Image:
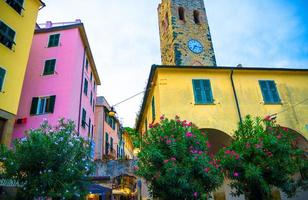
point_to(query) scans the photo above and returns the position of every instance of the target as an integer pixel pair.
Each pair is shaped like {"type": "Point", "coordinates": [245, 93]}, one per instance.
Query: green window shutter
{"type": "Point", "coordinates": [91, 97]}
{"type": "Point", "coordinates": [85, 89]}
{"type": "Point", "coordinates": [207, 91]}
{"type": "Point", "coordinates": [197, 91]}
{"type": "Point", "coordinates": [54, 40]}
{"type": "Point", "coordinates": [7, 35]}
{"type": "Point", "coordinates": [89, 127]}
{"type": "Point", "coordinates": [2, 75]}
{"type": "Point", "coordinates": [273, 92]}
{"type": "Point", "coordinates": [34, 105]}
{"type": "Point", "coordinates": [51, 105]}
{"type": "Point", "coordinates": [87, 64]}
{"type": "Point", "coordinates": [265, 91]}
{"type": "Point", "coordinates": [83, 118]}
{"type": "Point", "coordinates": [153, 109]}
{"type": "Point", "coordinates": [49, 67]}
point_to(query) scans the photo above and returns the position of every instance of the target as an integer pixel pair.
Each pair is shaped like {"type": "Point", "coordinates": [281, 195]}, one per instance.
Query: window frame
{"type": "Point", "coordinates": [45, 107]}
{"type": "Point", "coordinates": [16, 2]}
{"type": "Point", "coordinates": [84, 118]}
{"type": "Point", "coordinates": [54, 67]}
{"type": "Point", "coordinates": [53, 34]}
{"type": "Point", "coordinates": [270, 92]}
{"type": "Point", "coordinates": [3, 80]}
{"type": "Point", "coordinates": [10, 41]}
{"type": "Point", "coordinates": [85, 89]}
{"type": "Point", "coordinates": [203, 93]}
{"type": "Point", "coordinates": [196, 15]}
{"type": "Point", "coordinates": [153, 109]}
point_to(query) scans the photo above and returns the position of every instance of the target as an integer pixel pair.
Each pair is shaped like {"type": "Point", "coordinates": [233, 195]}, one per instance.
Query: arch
{"type": "Point", "coordinates": [217, 138]}
{"type": "Point", "coordinates": [181, 14]}
{"type": "Point", "coordinates": [196, 17]}
{"type": "Point", "coordinates": [301, 141]}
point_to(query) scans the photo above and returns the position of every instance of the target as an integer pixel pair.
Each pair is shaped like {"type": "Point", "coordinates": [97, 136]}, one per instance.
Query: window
{"type": "Point", "coordinates": [196, 17]}
{"type": "Point", "coordinates": [269, 92]}
{"type": "Point", "coordinates": [89, 127]}
{"type": "Point", "coordinates": [94, 86]}
{"type": "Point", "coordinates": [92, 131]}
{"type": "Point", "coordinates": [91, 97]}
{"type": "Point", "coordinates": [2, 75]}
{"type": "Point", "coordinates": [54, 40]}
{"type": "Point", "coordinates": [85, 88]}
{"type": "Point", "coordinates": [106, 144]}
{"type": "Point", "coordinates": [153, 109]}
{"type": "Point", "coordinates": [91, 77]}
{"type": "Point", "coordinates": [203, 92]}
{"type": "Point", "coordinates": [7, 35]}
{"type": "Point", "coordinates": [181, 13]}
{"type": "Point", "coordinates": [87, 64]}
{"type": "Point", "coordinates": [16, 5]}
{"type": "Point", "coordinates": [83, 118]}
{"type": "Point", "coordinates": [42, 105]}
{"type": "Point", "coordinates": [49, 67]}
{"type": "Point", "coordinates": [93, 105]}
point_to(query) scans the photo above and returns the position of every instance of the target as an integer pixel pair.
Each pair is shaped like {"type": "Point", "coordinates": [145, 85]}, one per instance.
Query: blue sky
{"type": "Point", "coordinates": [124, 38]}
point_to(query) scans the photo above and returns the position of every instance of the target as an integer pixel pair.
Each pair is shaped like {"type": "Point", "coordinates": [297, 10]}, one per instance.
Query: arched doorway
{"type": "Point", "coordinates": [217, 138]}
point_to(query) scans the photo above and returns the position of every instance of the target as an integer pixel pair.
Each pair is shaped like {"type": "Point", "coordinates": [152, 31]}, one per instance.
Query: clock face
{"type": "Point", "coordinates": [195, 46]}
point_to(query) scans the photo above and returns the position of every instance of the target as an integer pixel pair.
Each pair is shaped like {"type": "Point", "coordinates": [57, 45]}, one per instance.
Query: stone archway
{"type": "Point", "coordinates": [217, 138]}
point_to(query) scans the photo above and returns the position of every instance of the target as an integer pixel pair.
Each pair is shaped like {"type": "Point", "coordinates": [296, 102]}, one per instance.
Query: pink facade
{"type": "Point", "coordinates": [53, 91]}
{"type": "Point", "coordinates": [107, 130]}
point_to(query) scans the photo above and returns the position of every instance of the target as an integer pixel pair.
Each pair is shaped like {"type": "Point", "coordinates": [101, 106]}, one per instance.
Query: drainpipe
{"type": "Point", "coordinates": [235, 97]}
{"type": "Point", "coordinates": [80, 98]}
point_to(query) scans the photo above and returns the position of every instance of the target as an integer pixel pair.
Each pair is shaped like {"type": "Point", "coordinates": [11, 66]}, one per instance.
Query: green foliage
{"type": "Point", "coordinates": [262, 155]}
{"type": "Point", "coordinates": [134, 135]}
{"type": "Point", "coordinates": [174, 160]}
{"type": "Point", "coordinates": [51, 162]}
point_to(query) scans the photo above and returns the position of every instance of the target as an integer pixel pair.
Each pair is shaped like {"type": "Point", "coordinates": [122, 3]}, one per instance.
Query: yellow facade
{"type": "Point", "coordinates": [172, 89]}
{"type": "Point", "coordinates": [14, 60]}
{"type": "Point", "coordinates": [128, 146]}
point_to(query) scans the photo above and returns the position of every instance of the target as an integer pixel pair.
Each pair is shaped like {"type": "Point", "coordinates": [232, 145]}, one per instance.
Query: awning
{"type": "Point", "coordinates": [98, 189]}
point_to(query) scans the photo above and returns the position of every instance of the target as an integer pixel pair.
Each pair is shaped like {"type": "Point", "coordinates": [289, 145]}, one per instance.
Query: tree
{"type": "Point", "coordinates": [174, 160]}
{"type": "Point", "coordinates": [50, 162]}
{"type": "Point", "coordinates": [134, 135]}
{"type": "Point", "coordinates": [262, 155]}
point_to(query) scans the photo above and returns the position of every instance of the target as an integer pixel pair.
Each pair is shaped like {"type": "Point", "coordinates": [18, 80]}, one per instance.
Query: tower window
{"type": "Point", "coordinates": [181, 13]}
{"type": "Point", "coordinates": [196, 17]}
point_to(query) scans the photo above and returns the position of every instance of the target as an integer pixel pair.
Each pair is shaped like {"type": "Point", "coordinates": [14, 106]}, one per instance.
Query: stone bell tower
{"type": "Point", "coordinates": [185, 37]}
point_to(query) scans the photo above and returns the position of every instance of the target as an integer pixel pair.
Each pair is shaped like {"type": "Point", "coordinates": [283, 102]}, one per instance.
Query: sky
{"type": "Point", "coordinates": [124, 39]}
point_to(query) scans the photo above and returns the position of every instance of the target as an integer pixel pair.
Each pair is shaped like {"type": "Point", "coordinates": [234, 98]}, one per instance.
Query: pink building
{"type": "Point", "coordinates": [107, 133]}
{"type": "Point", "coordinates": [61, 79]}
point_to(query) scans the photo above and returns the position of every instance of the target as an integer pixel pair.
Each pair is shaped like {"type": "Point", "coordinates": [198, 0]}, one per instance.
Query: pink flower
{"type": "Point", "coordinates": [166, 161]}
{"type": "Point", "coordinates": [206, 169]}
{"type": "Point", "coordinates": [200, 152]}
{"type": "Point", "coordinates": [195, 194]}
{"type": "Point", "coordinates": [227, 151]}
{"type": "Point", "coordinates": [279, 136]}
{"type": "Point", "coordinates": [236, 174]}
{"type": "Point", "coordinates": [247, 145]}
{"type": "Point", "coordinates": [189, 134]}
{"type": "Point", "coordinates": [237, 157]}
{"type": "Point", "coordinates": [172, 136]}
{"type": "Point", "coordinates": [208, 144]}
{"type": "Point", "coordinates": [136, 168]}
{"type": "Point", "coordinates": [162, 117]}
{"type": "Point", "coordinates": [285, 129]}
{"type": "Point", "coordinates": [168, 142]}
{"type": "Point", "coordinates": [150, 125]}
{"type": "Point", "coordinates": [197, 142]}
{"type": "Point", "coordinates": [258, 146]}
{"type": "Point", "coordinates": [267, 118]}
{"type": "Point", "coordinates": [173, 158]}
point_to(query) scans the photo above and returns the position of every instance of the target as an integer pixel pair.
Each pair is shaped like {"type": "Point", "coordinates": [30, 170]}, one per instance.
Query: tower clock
{"type": "Point", "coordinates": [185, 37]}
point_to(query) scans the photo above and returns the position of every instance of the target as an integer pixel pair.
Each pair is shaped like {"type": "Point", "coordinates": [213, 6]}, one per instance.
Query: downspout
{"type": "Point", "coordinates": [235, 97]}
{"type": "Point", "coordinates": [80, 98]}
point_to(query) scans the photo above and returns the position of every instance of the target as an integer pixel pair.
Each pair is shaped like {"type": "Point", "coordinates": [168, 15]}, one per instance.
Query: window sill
{"type": "Point", "coordinates": [204, 104]}
{"type": "Point", "coordinates": [33, 115]}
{"type": "Point", "coordinates": [272, 103]}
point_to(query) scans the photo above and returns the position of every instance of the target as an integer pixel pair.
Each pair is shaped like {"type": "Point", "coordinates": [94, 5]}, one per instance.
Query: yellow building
{"type": "Point", "coordinates": [128, 146]}
{"type": "Point", "coordinates": [216, 99]}
{"type": "Point", "coordinates": [17, 23]}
